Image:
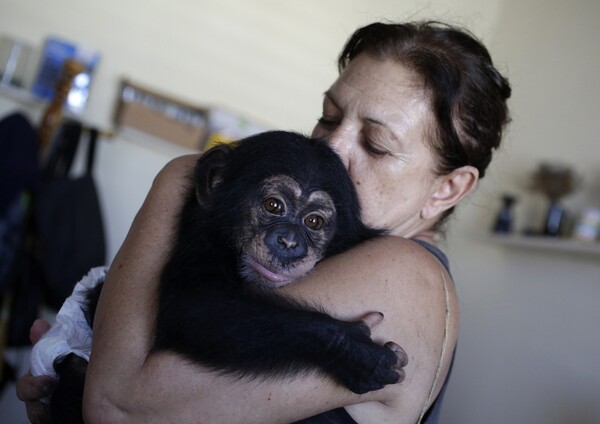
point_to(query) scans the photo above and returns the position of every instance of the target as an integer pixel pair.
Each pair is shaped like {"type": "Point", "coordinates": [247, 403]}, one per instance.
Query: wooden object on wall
{"type": "Point", "coordinates": [53, 113]}
{"type": "Point", "coordinates": [161, 116]}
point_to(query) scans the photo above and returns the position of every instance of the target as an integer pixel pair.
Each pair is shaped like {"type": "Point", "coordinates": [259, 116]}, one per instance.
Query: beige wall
{"type": "Point", "coordinates": [267, 59]}
{"type": "Point", "coordinates": [529, 340]}
{"type": "Point", "coordinates": [529, 348]}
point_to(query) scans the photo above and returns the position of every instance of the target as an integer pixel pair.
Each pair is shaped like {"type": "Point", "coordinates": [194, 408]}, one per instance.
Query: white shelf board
{"type": "Point", "coordinates": [546, 243]}
{"type": "Point", "coordinates": [21, 95]}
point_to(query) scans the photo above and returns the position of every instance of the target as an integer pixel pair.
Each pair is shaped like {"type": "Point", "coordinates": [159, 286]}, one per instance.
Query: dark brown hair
{"type": "Point", "coordinates": [467, 93]}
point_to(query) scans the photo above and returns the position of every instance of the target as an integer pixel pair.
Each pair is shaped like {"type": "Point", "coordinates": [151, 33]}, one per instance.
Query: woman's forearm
{"type": "Point", "coordinates": [124, 319]}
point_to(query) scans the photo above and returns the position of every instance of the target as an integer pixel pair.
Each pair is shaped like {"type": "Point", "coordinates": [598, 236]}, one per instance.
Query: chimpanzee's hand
{"type": "Point", "coordinates": [361, 364]}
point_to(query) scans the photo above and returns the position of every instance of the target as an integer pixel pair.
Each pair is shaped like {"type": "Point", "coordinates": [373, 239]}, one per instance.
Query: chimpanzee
{"type": "Point", "coordinates": [264, 211]}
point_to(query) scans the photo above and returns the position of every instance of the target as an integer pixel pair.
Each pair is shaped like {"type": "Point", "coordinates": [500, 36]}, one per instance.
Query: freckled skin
{"type": "Point", "coordinates": [379, 106]}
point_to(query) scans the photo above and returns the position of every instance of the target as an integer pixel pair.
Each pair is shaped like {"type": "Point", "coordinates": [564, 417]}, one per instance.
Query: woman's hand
{"type": "Point", "coordinates": [32, 389]}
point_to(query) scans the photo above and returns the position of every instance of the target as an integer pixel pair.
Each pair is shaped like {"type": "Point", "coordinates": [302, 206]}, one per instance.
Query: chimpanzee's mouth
{"type": "Point", "coordinates": [256, 272]}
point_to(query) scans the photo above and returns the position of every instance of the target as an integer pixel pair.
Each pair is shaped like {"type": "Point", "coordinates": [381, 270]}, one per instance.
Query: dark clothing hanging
{"type": "Point", "coordinates": [50, 241]}
{"type": "Point", "coordinates": [19, 168]}
{"type": "Point", "coordinates": [19, 173]}
{"type": "Point", "coordinates": [68, 216]}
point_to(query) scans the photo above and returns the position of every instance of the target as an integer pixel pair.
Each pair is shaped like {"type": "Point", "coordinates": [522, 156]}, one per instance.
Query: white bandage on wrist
{"type": "Point", "coordinates": [71, 333]}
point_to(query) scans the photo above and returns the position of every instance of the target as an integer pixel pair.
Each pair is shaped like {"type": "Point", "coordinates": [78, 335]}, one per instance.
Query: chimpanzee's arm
{"type": "Point", "coordinates": [264, 335]}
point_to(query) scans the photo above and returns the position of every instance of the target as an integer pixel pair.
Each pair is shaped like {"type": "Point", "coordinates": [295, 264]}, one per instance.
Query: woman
{"type": "Point", "coordinates": [415, 114]}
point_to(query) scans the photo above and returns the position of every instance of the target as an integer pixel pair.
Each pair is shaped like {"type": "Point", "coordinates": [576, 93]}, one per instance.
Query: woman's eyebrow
{"type": "Point", "coordinates": [329, 96]}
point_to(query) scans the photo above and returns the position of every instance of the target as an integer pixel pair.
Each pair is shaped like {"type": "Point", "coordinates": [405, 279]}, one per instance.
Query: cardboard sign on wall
{"type": "Point", "coordinates": [161, 116]}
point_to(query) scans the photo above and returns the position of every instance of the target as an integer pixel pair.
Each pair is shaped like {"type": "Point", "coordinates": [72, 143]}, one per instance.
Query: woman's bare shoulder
{"type": "Point", "coordinates": [411, 287]}
{"type": "Point", "coordinates": [379, 269]}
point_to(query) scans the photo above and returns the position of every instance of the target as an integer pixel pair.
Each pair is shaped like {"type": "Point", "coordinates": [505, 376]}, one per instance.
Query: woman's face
{"type": "Point", "coordinates": [375, 116]}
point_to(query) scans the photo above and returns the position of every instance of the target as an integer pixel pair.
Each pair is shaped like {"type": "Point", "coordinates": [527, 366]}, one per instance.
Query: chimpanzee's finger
{"type": "Point", "coordinates": [400, 353]}
{"type": "Point", "coordinates": [371, 319]}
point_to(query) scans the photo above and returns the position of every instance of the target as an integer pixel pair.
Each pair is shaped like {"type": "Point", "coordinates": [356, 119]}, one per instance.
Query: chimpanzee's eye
{"type": "Point", "coordinates": [314, 222]}
{"type": "Point", "coordinates": [274, 206]}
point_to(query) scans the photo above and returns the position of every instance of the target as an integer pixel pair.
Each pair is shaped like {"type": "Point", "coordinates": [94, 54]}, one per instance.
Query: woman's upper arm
{"type": "Point", "coordinates": [390, 275]}
{"type": "Point", "coordinates": [400, 279]}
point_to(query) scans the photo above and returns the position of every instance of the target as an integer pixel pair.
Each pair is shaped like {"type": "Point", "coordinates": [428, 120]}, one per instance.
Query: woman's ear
{"type": "Point", "coordinates": [451, 189]}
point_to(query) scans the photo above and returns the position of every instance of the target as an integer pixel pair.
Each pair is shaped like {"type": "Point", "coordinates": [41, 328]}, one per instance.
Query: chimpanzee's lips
{"type": "Point", "coordinates": [275, 279]}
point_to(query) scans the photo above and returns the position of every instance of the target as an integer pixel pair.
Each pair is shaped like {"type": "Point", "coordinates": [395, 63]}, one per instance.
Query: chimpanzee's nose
{"type": "Point", "coordinates": [286, 242]}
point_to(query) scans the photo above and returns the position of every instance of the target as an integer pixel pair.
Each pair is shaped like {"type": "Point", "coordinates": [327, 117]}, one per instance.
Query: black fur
{"type": "Point", "coordinates": [209, 315]}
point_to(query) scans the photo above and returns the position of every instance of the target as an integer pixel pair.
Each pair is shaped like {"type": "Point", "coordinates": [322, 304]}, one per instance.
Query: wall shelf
{"type": "Point", "coordinates": [22, 96]}
{"type": "Point", "coordinates": [546, 243]}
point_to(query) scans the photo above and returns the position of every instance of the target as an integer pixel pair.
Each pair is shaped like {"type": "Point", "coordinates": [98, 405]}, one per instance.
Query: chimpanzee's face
{"type": "Point", "coordinates": [285, 232]}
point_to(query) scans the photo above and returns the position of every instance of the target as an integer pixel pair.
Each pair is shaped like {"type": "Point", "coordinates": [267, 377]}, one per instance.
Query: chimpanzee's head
{"type": "Point", "coordinates": [282, 201]}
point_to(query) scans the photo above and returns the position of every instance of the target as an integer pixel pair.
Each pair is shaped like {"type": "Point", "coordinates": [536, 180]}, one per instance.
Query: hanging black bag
{"type": "Point", "coordinates": [68, 216]}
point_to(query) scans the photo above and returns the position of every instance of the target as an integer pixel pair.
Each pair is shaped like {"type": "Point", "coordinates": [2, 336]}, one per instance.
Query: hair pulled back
{"type": "Point", "coordinates": [467, 93]}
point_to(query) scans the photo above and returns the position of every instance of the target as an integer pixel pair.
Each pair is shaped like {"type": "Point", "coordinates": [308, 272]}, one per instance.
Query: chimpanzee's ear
{"type": "Point", "coordinates": [209, 171]}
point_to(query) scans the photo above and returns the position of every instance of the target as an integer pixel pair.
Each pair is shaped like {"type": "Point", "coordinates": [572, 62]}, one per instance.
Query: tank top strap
{"type": "Point", "coordinates": [435, 251]}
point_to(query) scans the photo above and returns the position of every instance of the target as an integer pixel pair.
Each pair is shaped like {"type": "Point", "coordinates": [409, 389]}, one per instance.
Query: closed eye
{"type": "Point", "coordinates": [327, 123]}
{"type": "Point", "coordinates": [373, 149]}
